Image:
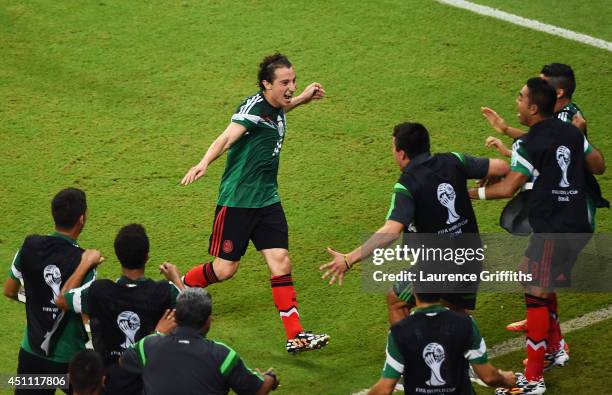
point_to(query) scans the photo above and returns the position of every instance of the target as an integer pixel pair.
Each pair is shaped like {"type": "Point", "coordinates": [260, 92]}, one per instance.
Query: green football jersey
{"type": "Point", "coordinates": [566, 114]}
{"type": "Point", "coordinates": [250, 177]}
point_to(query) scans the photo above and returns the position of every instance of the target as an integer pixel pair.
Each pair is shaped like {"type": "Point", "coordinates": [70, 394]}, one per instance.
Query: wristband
{"type": "Point", "coordinates": [348, 267]}
{"type": "Point", "coordinates": [481, 193]}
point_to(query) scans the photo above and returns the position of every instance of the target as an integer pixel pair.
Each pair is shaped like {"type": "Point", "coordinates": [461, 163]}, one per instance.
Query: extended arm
{"type": "Point", "coordinates": [341, 263]}
{"type": "Point", "coordinates": [499, 124]}
{"type": "Point", "coordinates": [494, 377]}
{"type": "Point", "coordinates": [497, 144]}
{"type": "Point", "coordinates": [313, 91]}
{"type": "Point", "coordinates": [89, 260]}
{"type": "Point", "coordinates": [172, 274]}
{"type": "Point", "coordinates": [230, 135]}
{"type": "Point", "coordinates": [503, 189]}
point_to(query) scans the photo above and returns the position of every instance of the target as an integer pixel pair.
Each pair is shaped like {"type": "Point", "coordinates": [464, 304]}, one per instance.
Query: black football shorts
{"type": "Point", "coordinates": [233, 227]}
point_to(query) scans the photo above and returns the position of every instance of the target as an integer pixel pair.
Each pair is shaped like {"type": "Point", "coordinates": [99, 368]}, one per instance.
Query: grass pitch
{"type": "Point", "coordinates": [121, 98]}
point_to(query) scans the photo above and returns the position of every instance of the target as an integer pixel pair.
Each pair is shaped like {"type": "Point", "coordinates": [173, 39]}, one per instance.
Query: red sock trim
{"type": "Point", "coordinates": [201, 276]}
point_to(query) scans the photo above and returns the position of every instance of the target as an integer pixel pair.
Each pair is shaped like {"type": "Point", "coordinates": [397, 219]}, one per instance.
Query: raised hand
{"type": "Point", "coordinates": [494, 120]}
{"type": "Point", "coordinates": [336, 268]}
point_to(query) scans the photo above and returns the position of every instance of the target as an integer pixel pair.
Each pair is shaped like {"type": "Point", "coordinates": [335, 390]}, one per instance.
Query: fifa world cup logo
{"type": "Point", "coordinates": [433, 355]}
{"type": "Point", "coordinates": [446, 197]}
{"type": "Point", "coordinates": [563, 159]}
{"type": "Point", "coordinates": [129, 323]}
{"type": "Point", "coordinates": [53, 278]}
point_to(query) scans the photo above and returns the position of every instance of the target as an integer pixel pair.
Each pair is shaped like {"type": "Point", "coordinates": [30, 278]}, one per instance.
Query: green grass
{"type": "Point", "coordinates": [587, 17]}
{"type": "Point", "coordinates": [121, 98]}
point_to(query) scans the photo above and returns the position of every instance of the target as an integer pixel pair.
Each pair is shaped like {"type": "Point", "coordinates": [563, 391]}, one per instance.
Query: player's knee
{"type": "Point", "coordinates": [225, 271]}
{"type": "Point", "coordinates": [281, 265]}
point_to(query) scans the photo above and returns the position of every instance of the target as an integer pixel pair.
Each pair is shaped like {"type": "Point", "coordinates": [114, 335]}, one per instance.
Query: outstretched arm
{"type": "Point", "coordinates": [499, 124]}
{"type": "Point", "coordinates": [497, 144]}
{"type": "Point", "coordinates": [230, 135]}
{"type": "Point", "coordinates": [494, 377]}
{"type": "Point", "coordinates": [313, 91]}
{"type": "Point", "coordinates": [341, 263]}
{"type": "Point", "coordinates": [506, 188]}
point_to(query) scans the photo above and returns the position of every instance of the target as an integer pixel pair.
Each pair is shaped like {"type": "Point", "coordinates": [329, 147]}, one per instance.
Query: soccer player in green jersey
{"type": "Point", "coordinates": [559, 76]}
{"type": "Point", "coordinates": [249, 206]}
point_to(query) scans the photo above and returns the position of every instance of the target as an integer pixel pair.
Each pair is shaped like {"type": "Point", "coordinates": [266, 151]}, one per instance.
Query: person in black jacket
{"type": "Point", "coordinates": [186, 362]}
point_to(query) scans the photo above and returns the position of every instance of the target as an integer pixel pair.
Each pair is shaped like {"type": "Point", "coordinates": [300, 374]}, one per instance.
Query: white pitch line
{"type": "Point", "coordinates": [529, 23]}
{"type": "Point", "coordinates": [518, 343]}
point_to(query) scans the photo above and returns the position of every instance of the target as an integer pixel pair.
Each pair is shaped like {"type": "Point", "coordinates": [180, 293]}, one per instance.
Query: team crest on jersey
{"type": "Point", "coordinates": [447, 197]}
{"type": "Point", "coordinates": [129, 324]}
{"type": "Point", "coordinates": [228, 246]}
{"type": "Point", "coordinates": [53, 278]}
{"type": "Point", "coordinates": [433, 355]}
{"type": "Point", "coordinates": [564, 155]}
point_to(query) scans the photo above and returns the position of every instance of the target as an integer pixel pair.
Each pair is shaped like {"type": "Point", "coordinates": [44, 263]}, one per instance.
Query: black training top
{"type": "Point", "coordinates": [558, 202]}
{"type": "Point", "coordinates": [186, 363]}
{"type": "Point", "coordinates": [432, 192]}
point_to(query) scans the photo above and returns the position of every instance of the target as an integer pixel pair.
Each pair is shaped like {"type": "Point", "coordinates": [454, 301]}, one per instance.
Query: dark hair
{"type": "Point", "coordinates": [269, 65]}
{"type": "Point", "coordinates": [543, 95]}
{"type": "Point", "coordinates": [86, 371]}
{"type": "Point", "coordinates": [560, 76]}
{"type": "Point", "coordinates": [193, 307]}
{"type": "Point", "coordinates": [67, 207]}
{"type": "Point", "coordinates": [428, 297]}
{"type": "Point", "coordinates": [412, 138]}
{"type": "Point", "coordinates": [132, 246]}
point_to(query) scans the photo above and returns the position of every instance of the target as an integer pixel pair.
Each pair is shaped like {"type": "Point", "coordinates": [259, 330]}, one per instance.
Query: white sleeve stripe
{"type": "Point", "coordinates": [586, 144]}
{"type": "Point", "coordinates": [524, 163]}
{"type": "Point", "coordinates": [14, 269]}
{"type": "Point", "coordinates": [77, 303]}
{"type": "Point", "coordinates": [241, 117]}
{"type": "Point", "coordinates": [398, 367]}
{"type": "Point", "coordinates": [473, 354]}
{"type": "Point", "coordinates": [174, 285]}
{"type": "Point", "coordinates": [76, 300]}
{"type": "Point", "coordinates": [250, 104]}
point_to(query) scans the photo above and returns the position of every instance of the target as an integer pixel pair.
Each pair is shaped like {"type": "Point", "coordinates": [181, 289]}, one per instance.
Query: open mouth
{"type": "Point", "coordinates": [288, 95]}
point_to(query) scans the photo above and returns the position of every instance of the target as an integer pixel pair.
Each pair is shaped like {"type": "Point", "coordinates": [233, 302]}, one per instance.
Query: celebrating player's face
{"type": "Point", "coordinates": [522, 106]}
{"type": "Point", "coordinates": [281, 90]}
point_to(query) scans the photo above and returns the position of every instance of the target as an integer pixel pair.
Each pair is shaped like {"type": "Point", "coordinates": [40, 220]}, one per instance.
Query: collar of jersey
{"type": "Point", "coordinates": [420, 158]}
{"type": "Point", "coordinates": [436, 308]}
{"type": "Point", "coordinates": [188, 332]}
{"type": "Point", "coordinates": [124, 280]}
{"type": "Point", "coordinates": [65, 237]}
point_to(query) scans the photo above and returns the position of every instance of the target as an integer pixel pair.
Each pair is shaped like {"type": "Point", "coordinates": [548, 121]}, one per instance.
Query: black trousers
{"type": "Point", "coordinates": [32, 364]}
